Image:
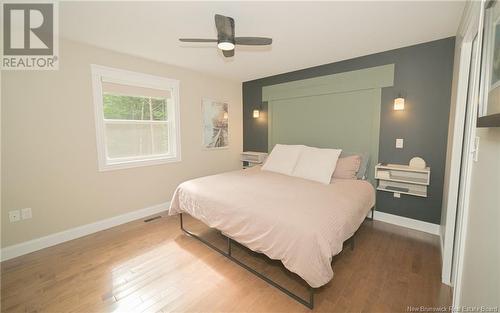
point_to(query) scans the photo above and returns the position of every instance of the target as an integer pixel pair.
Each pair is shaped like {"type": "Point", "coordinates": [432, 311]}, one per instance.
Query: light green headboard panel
{"type": "Point", "coordinates": [334, 111]}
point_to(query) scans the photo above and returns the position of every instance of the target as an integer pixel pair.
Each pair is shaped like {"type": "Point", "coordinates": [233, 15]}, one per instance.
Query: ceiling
{"type": "Point", "coordinates": [304, 34]}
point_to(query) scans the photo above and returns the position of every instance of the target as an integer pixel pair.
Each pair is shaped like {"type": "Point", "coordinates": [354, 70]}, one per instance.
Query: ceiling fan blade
{"type": "Point", "coordinates": [228, 53]}
{"type": "Point", "coordinates": [253, 41]}
{"type": "Point", "coordinates": [225, 28]}
{"type": "Point", "coordinates": [197, 40]}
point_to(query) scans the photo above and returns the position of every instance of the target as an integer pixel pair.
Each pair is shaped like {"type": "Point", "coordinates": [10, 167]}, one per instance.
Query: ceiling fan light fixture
{"type": "Point", "coordinates": [226, 40]}
{"type": "Point", "coordinates": [225, 45]}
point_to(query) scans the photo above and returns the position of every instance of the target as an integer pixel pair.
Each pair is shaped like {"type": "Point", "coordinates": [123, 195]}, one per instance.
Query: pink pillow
{"type": "Point", "coordinates": [347, 167]}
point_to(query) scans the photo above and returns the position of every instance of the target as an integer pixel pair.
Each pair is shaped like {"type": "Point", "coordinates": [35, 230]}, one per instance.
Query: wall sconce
{"type": "Point", "coordinates": [399, 103]}
{"type": "Point", "coordinates": [256, 113]}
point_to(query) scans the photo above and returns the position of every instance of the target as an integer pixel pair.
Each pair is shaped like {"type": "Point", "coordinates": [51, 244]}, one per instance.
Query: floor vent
{"type": "Point", "coordinates": [152, 219]}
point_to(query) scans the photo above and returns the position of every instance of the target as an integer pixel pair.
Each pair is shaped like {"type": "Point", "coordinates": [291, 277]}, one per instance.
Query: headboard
{"type": "Point", "coordinates": [334, 111]}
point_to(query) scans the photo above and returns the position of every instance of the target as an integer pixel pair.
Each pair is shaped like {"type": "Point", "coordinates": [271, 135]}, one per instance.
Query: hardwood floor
{"type": "Point", "coordinates": [154, 267]}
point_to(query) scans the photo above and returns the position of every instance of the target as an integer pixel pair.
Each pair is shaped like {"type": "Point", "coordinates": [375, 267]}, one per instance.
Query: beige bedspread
{"type": "Point", "coordinates": [300, 222]}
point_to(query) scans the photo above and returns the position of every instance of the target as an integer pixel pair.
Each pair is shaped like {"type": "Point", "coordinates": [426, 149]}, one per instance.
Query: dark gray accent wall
{"type": "Point", "coordinates": [423, 75]}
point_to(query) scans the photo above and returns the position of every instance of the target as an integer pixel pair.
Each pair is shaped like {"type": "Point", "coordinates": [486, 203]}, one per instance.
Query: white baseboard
{"type": "Point", "coordinates": [408, 222]}
{"type": "Point", "coordinates": [84, 230]}
{"type": "Point", "coordinates": [77, 232]}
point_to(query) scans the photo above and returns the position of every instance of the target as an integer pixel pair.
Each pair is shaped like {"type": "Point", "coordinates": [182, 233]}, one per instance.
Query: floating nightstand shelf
{"type": "Point", "coordinates": [402, 179]}
{"type": "Point", "coordinates": [250, 158]}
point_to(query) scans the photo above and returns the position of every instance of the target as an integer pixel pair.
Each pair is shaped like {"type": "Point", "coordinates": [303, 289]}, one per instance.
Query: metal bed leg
{"type": "Point", "coordinates": [311, 298]}
{"type": "Point", "coordinates": [309, 304]}
{"type": "Point", "coordinates": [372, 215]}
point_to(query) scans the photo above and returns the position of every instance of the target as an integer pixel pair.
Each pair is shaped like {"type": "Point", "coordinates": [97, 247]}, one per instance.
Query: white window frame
{"type": "Point", "coordinates": [141, 80]}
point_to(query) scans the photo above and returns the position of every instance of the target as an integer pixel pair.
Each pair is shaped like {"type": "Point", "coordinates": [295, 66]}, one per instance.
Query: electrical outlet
{"type": "Point", "coordinates": [399, 143]}
{"type": "Point", "coordinates": [397, 195]}
{"type": "Point", "coordinates": [14, 216]}
{"type": "Point", "coordinates": [26, 213]}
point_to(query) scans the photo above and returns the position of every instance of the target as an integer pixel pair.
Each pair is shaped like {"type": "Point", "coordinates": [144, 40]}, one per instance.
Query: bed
{"type": "Point", "coordinates": [300, 222]}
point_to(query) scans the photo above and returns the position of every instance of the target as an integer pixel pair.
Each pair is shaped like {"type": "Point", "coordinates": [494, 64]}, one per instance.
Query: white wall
{"type": "Point", "coordinates": [49, 158]}
{"type": "Point", "coordinates": [478, 275]}
{"type": "Point", "coordinates": [481, 266]}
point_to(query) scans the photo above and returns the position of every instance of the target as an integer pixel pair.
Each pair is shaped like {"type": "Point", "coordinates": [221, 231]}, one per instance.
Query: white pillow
{"type": "Point", "coordinates": [316, 164]}
{"type": "Point", "coordinates": [282, 159]}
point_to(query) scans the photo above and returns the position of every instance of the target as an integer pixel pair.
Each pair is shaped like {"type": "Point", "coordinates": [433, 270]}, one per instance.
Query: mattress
{"type": "Point", "coordinates": [302, 223]}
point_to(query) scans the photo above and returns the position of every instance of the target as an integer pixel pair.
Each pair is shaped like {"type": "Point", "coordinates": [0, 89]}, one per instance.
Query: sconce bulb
{"type": "Point", "coordinates": [256, 113]}
{"type": "Point", "coordinates": [399, 104]}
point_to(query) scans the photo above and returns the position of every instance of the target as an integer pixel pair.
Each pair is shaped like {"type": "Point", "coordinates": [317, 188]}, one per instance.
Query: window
{"type": "Point", "coordinates": [137, 118]}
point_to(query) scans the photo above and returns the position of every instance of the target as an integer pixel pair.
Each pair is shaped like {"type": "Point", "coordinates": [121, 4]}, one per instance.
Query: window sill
{"type": "Point", "coordinates": [104, 167]}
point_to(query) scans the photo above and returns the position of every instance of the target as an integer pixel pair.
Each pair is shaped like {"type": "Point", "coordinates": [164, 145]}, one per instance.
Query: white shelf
{"type": "Point", "coordinates": [251, 161]}
{"type": "Point", "coordinates": [401, 167]}
{"type": "Point", "coordinates": [414, 180]}
{"type": "Point", "coordinates": [410, 192]}
{"type": "Point", "coordinates": [253, 157]}
{"type": "Point", "coordinates": [401, 179]}
{"type": "Point", "coordinates": [250, 164]}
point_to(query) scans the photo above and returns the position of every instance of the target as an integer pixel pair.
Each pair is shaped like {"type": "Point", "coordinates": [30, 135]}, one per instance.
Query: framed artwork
{"type": "Point", "coordinates": [489, 102]}
{"type": "Point", "coordinates": [215, 123]}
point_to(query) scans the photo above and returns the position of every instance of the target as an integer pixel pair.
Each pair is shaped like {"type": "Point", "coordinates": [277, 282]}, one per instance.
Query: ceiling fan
{"type": "Point", "coordinates": [226, 40]}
